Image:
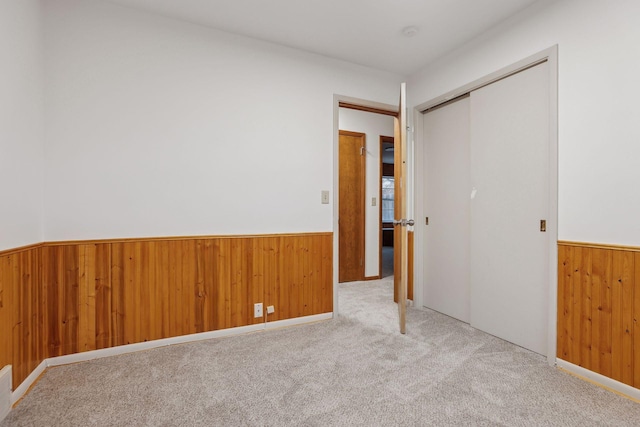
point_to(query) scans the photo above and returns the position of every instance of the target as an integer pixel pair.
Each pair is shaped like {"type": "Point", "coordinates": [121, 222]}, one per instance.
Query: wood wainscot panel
{"type": "Point", "coordinates": [22, 297]}
{"type": "Point", "coordinates": [598, 309]}
{"type": "Point", "coordinates": [61, 279]}
{"type": "Point", "coordinates": [622, 316]}
{"type": "Point", "coordinates": [28, 316]}
{"type": "Point", "coordinates": [127, 292]}
{"type": "Point", "coordinates": [636, 322]}
{"type": "Point", "coordinates": [6, 311]}
{"type": "Point", "coordinates": [62, 298]}
{"type": "Point", "coordinates": [159, 290]}
{"type": "Point", "coordinates": [302, 283]}
{"type": "Point", "coordinates": [213, 283]}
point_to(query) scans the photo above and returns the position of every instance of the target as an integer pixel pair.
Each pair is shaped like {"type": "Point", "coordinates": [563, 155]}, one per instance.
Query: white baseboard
{"type": "Point", "coordinates": [5, 391]}
{"type": "Point", "coordinates": [147, 345]}
{"type": "Point", "coordinates": [28, 382]}
{"type": "Point", "coordinates": [131, 348]}
{"type": "Point", "coordinates": [600, 380]}
{"type": "Point", "coordinates": [298, 321]}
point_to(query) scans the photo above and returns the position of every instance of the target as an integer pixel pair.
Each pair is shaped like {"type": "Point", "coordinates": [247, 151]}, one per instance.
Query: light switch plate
{"type": "Point", "coordinates": [325, 197]}
{"type": "Point", "coordinates": [373, 201]}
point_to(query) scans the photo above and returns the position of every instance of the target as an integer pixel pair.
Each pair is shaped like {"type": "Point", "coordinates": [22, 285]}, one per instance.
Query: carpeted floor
{"type": "Point", "coordinates": [355, 370]}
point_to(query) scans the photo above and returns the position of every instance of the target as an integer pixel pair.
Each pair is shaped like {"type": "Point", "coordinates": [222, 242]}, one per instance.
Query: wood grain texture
{"type": "Point", "coordinates": [22, 314]}
{"type": "Point", "coordinates": [351, 206]}
{"type": "Point", "coordinates": [598, 308]}
{"type": "Point", "coordinates": [6, 311]}
{"type": "Point", "coordinates": [400, 160]}
{"type": "Point", "coordinates": [63, 299]}
{"type": "Point", "coordinates": [368, 109]}
{"type": "Point", "coordinates": [622, 316]}
{"type": "Point", "coordinates": [636, 322]}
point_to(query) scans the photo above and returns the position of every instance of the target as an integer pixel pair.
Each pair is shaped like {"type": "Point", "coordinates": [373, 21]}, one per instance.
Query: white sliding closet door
{"type": "Point", "coordinates": [447, 205]}
{"type": "Point", "coordinates": [510, 180]}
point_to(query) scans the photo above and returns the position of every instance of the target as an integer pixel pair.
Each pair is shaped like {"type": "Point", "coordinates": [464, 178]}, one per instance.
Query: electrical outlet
{"type": "Point", "coordinates": [270, 309]}
{"type": "Point", "coordinates": [257, 310]}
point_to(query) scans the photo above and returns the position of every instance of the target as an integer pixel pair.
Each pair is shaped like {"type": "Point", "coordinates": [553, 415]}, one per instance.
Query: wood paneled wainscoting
{"type": "Point", "coordinates": [599, 309]}
{"type": "Point", "coordinates": [23, 342]}
{"type": "Point", "coordinates": [69, 297]}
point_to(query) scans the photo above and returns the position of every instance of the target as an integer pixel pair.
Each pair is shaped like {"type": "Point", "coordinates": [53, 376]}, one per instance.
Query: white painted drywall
{"type": "Point", "coordinates": [21, 123]}
{"type": "Point", "coordinates": [5, 391]}
{"type": "Point", "coordinates": [374, 126]}
{"type": "Point", "coordinates": [599, 130]}
{"type": "Point", "coordinates": [159, 127]}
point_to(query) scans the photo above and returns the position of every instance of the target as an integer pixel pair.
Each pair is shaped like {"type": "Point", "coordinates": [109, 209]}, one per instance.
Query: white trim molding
{"type": "Point", "coordinates": [22, 389]}
{"type": "Point", "coordinates": [147, 345]}
{"type": "Point", "coordinates": [600, 380]}
{"type": "Point", "coordinates": [298, 321]}
{"type": "Point", "coordinates": [5, 391]}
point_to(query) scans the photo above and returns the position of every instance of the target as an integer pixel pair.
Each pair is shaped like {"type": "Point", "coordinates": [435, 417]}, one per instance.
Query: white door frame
{"type": "Point", "coordinates": [337, 99]}
{"type": "Point", "coordinates": [551, 56]}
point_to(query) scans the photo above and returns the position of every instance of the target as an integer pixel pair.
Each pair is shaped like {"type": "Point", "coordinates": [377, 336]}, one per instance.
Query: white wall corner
{"type": "Point", "coordinates": [5, 391]}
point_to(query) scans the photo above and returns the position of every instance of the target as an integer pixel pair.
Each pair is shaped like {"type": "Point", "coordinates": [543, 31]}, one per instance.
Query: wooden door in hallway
{"type": "Point", "coordinates": [351, 206]}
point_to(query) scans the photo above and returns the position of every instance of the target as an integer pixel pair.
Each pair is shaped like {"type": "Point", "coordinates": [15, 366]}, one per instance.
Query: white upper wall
{"type": "Point", "coordinates": [157, 127]}
{"type": "Point", "coordinates": [599, 130]}
{"type": "Point", "coordinates": [21, 123]}
{"type": "Point", "coordinates": [373, 125]}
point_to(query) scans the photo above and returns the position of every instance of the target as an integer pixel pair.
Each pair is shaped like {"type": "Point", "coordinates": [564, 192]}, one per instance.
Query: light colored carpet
{"type": "Point", "coordinates": [355, 370]}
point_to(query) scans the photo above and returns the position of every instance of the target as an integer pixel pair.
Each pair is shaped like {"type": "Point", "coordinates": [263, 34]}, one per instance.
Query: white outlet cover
{"type": "Point", "coordinates": [257, 310]}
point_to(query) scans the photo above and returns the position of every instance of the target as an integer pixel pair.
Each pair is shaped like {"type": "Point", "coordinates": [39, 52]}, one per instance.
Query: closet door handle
{"type": "Point", "coordinates": [543, 225]}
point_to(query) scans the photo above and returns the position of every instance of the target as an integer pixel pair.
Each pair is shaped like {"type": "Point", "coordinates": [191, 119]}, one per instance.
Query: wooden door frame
{"type": "Point", "coordinates": [366, 105]}
{"type": "Point", "coordinates": [549, 55]}
{"type": "Point", "coordinates": [362, 204]}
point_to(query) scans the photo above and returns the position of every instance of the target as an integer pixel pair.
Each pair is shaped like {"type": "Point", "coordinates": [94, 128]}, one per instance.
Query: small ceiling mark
{"type": "Point", "coordinates": [410, 31]}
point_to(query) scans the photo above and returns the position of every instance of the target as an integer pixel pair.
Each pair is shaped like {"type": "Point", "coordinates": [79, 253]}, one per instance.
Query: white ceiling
{"type": "Point", "coordinates": [367, 32]}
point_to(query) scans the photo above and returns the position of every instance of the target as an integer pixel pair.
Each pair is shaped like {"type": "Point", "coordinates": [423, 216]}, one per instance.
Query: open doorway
{"type": "Point", "coordinates": [387, 195]}
{"type": "Point", "coordinates": [359, 192]}
{"type": "Point", "coordinates": [349, 113]}
{"type": "Point", "coordinates": [390, 289]}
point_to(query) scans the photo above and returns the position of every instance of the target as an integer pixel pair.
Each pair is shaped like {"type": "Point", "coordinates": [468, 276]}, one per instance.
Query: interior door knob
{"type": "Point", "coordinates": [403, 222]}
